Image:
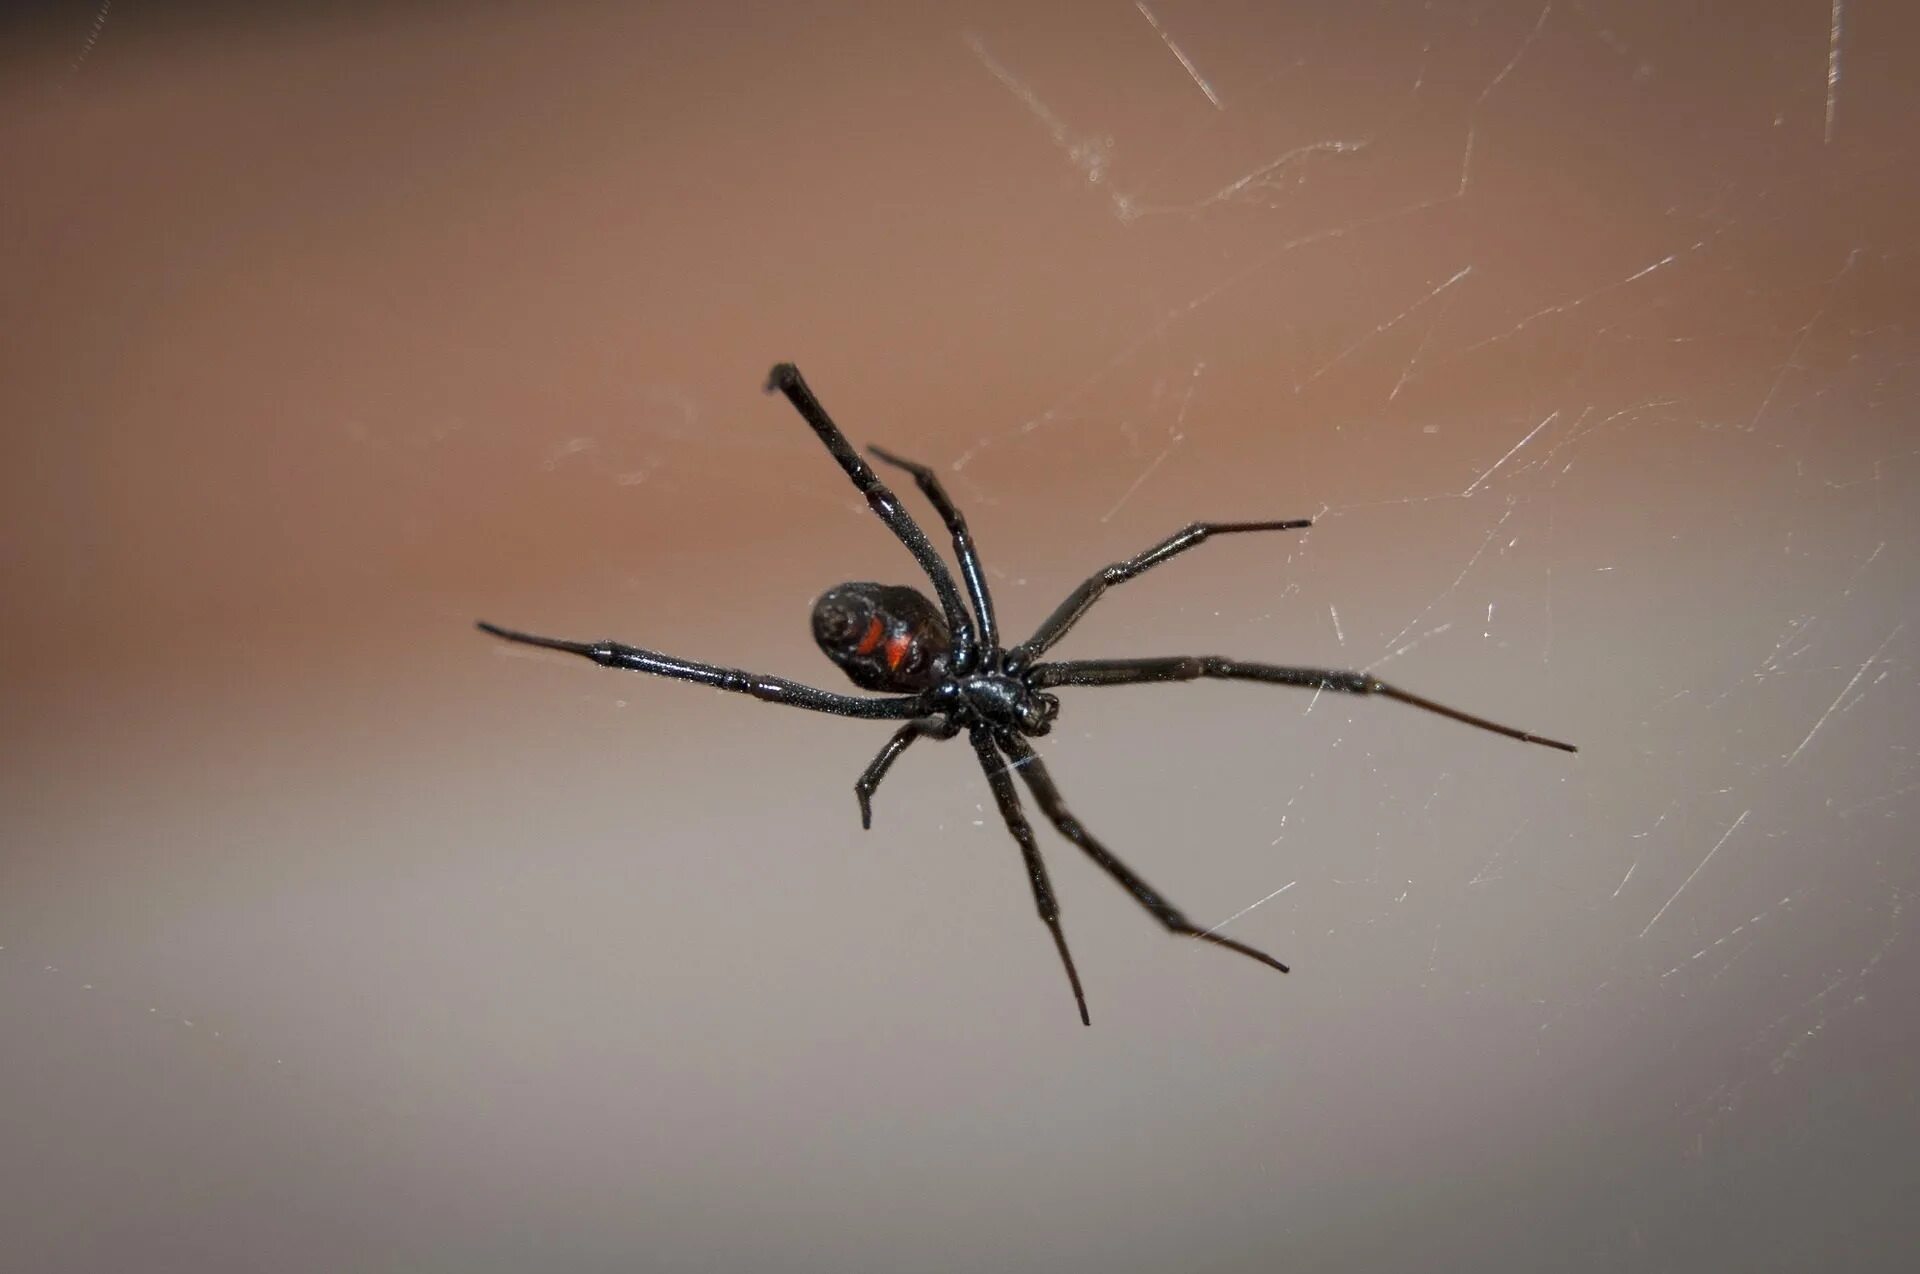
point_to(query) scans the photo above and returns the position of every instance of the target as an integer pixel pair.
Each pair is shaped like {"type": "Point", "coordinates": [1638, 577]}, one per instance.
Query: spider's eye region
{"type": "Point", "coordinates": [1041, 710]}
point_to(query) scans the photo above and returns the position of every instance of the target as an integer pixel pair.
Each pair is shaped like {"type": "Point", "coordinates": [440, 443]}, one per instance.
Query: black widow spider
{"type": "Point", "coordinates": [948, 672]}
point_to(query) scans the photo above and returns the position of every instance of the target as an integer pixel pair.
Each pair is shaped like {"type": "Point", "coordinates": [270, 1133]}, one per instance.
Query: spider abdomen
{"type": "Point", "coordinates": [884, 636]}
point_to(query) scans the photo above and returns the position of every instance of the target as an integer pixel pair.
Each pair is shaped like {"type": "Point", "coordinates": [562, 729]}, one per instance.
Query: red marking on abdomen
{"type": "Point", "coordinates": [871, 638]}
{"type": "Point", "coordinates": [897, 648]}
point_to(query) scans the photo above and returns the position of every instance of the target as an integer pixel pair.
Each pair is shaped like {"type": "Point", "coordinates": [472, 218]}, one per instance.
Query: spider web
{"type": "Point", "coordinates": [1584, 332]}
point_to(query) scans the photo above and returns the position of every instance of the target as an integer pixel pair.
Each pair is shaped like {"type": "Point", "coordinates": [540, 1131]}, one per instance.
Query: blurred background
{"type": "Point", "coordinates": [335, 935]}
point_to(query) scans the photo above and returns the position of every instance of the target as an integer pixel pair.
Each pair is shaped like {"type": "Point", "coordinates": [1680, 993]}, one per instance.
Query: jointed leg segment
{"type": "Point", "coordinates": [1130, 672]}
{"type": "Point", "coordinates": [963, 549]}
{"type": "Point", "coordinates": [1009, 802]}
{"type": "Point", "coordinates": [864, 787]}
{"type": "Point", "coordinates": [786, 379]}
{"type": "Point", "coordinates": [1027, 761]}
{"type": "Point", "coordinates": [613, 654]}
{"type": "Point", "coordinates": [1078, 602]}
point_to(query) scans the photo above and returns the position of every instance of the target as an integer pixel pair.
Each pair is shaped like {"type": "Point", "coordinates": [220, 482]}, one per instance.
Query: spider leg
{"type": "Point", "coordinates": [863, 789]}
{"type": "Point", "coordinates": [1128, 672]}
{"type": "Point", "coordinates": [612, 654]}
{"type": "Point", "coordinates": [786, 379]}
{"type": "Point", "coordinates": [1078, 602]}
{"type": "Point", "coordinates": [1016, 820]}
{"type": "Point", "coordinates": [963, 548]}
{"type": "Point", "coordinates": [1027, 761]}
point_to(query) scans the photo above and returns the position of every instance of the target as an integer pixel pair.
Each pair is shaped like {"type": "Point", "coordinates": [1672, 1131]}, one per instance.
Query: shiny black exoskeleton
{"type": "Point", "coordinates": [891, 637]}
{"type": "Point", "coordinates": [883, 636]}
{"type": "Point", "coordinates": [946, 672]}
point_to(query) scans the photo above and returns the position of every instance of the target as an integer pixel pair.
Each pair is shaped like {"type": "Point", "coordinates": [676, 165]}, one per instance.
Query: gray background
{"type": "Point", "coordinates": [334, 935]}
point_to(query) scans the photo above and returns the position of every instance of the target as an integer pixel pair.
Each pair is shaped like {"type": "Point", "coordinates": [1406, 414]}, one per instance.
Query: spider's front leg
{"type": "Point", "coordinates": [869, 781]}
{"type": "Point", "coordinates": [1021, 753]}
{"type": "Point", "coordinates": [1016, 820]}
{"type": "Point", "coordinates": [1081, 600]}
{"type": "Point", "coordinates": [1134, 672]}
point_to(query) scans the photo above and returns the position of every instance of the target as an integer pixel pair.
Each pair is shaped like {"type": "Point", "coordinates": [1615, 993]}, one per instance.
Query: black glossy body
{"type": "Point", "coordinates": [885, 637]}
{"type": "Point", "coordinates": [945, 671]}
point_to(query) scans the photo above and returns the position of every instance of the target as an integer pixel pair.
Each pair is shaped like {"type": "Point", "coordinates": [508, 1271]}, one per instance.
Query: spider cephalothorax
{"type": "Point", "coordinates": [946, 671]}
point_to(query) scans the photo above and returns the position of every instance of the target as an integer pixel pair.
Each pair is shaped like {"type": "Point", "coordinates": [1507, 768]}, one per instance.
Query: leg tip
{"type": "Point", "coordinates": [782, 375]}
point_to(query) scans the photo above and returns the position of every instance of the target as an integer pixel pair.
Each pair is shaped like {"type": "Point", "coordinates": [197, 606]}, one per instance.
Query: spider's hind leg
{"type": "Point", "coordinates": [785, 379]}
{"type": "Point", "coordinates": [869, 780]}
{"type": "Point", "coordinates": [613, 654]}
{"type": "Point", "coordinates": [1027, 761]}
{"type": "Point", "coordinates": [963, 548]}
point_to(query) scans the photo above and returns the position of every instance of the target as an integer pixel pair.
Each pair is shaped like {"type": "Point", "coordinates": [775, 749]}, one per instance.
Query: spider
{"type": "Point", "coordinates": [946, 672]}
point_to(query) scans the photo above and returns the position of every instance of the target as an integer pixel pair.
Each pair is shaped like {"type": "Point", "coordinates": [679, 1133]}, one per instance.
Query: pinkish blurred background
{"type": "Point", "coordinates": [334, 935]}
